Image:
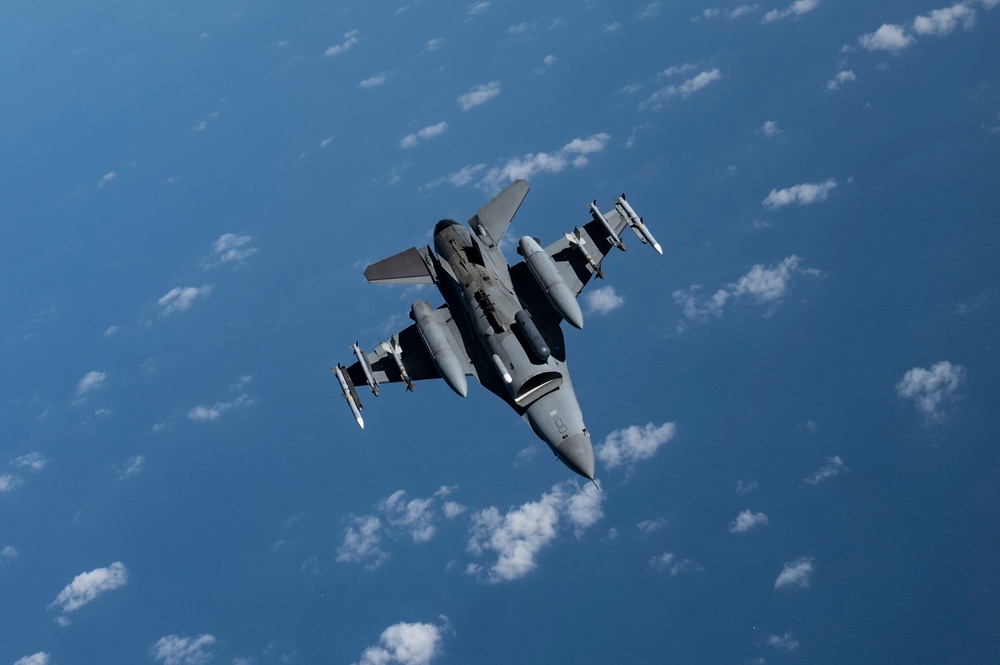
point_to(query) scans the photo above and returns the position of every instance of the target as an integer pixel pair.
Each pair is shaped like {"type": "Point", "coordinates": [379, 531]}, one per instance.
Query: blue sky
{"type": "Point", "coordinates": [794, 408]}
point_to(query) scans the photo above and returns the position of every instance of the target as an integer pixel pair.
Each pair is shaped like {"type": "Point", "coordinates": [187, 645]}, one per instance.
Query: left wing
{"type": "Point", "coordinates": [492, 220]}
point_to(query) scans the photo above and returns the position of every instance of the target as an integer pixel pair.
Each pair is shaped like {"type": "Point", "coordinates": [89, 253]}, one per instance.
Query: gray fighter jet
{"type": "Point", "coordinates": [500, 324]}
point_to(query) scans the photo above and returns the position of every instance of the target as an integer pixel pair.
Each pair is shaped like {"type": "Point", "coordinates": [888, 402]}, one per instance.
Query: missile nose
{"type": "Point", "coordinates": [577, 453]}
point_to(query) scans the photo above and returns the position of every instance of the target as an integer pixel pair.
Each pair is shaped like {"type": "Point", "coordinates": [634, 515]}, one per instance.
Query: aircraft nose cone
{"type": "Point", "coordinates": [577, 453]}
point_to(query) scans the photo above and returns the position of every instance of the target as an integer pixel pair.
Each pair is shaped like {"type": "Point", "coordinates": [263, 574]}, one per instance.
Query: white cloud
{"type": "Point", "coordinates": [106, 179]}
{"type": "Point", "coordinates": [9, 483]}
{"type": "Point", "coordinates": [203, 413]}
{"type": "Point", "coordinates": [652, 10]}
{"type": "Point", "coordinates": [839, 79]}
{"type": "Point", "coordinates": [764, 285]}
{"type": "Point", "coordinates": [413, 516]}
{"type": "Point", "coordinates": [803, 194]}
{"type": "Point", "coordinates": [526, 167]}
{"type": "Point", "coordinates": [362, 543]}
{"type": "Point", "coordinates": [633, 444]}
{"type": "Point", "coordinates": [612, 27]}
{"type": "Point", "coordinates": [651, 526]}
{"type": "Point", "coordinates": [667, 562]}
{"type": "Point", "coordinates": [603, 300]}
{"type": "Point", "coordinates": [33, 461]}
{"type": "Point", "coordinates": [932, 390]}
{"type": "Point", "coordinates": [742, 10]}
{"type": "Point", "coordinates": [373, 81]}
{"type": "Point", "coordinates": [424, 134]}
{"type": "Point", "coordinates": [91, 381]}
{"type": "Point", "coordinates": [744, 487]}
{"type": "Point", "coordinates": [132, 467]}
{"type": "Point", "coordinates": [406, 644]}
{"type": "Point", "coordinates": [433, 44]}
{"type": "Point", "coordinates": [230, 248]}
{"type": "Point", "coordinates": [40, 658]}
{"type": "Point", "coordinates": [517, 536]}
{"type": "Point", "coordinates": [479, 95]}
{"type": "Point", "coordinates": [8, 553]}
{"type": "Point", "coordinates": [890, 37]}
{"type": "Point", "coordinates": [944, 21]}
{"type": "Point", "coordinates": [747, 520]}
{"type": "Point", "coordinates": [831, 467]}
{"type": "Point", "coordinates": [179, 299]}
{"type": "Point", "coordinates": [325, 142]}
{"type": "Point", "coordinates": [795, 574]}
{"type": "Point", "coordinates": [85, 587]}
{"type": "Point", "coordinates": [475, 9]}
{"type": "Point", "coordinates": [112, 330]}
{"type": "Point", "coordinates": [770, 129]}
{"type": "Point", "coordinates": [350, 40]}
{"type": "Point", "coordinates": [684, 90]}
{"type": "Point", "coordinates": [176, 650]}
{"type": "Point", "coordinates": [452, 509]}
{"type": "Point", "coordinates": [783, 642]}
{"type": "Point", "coordinates": [796, 9]}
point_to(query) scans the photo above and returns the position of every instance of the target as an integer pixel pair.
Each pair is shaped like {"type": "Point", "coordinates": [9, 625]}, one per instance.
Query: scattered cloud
{"type": "Point", "coordinates": [652, 10]}
{"type": "Point", "coordinates": [633, 444]}
{"type": "Point", "coordinates": [362, 543]}
{"type": "Point", "coordinates": [433, 44]}
{"type": "Point", "coordinates": [176, 650]}
{"type": "Point", "coordinates": [831, 467]}
{"type": "Point", "coordinates": [373, 81]}
{"type": "Point", "coordinates": [90, 382]}
{"type": "Point", "coordinates": [769, 129]}
{"type": "Point", "coordinates": [479, 95]}
{"type": "Point", "coordinates": [795, 574]}
{"type": "Point", "coordinates": [33, 461]}
{"type": "Point", "coordinates": [325, 142]}
{"type": "Point", "coordinates": [747, 520]}
{"type": "Point", "coordinates": [603, 300]}
{"type": "Point", "coordinates": [475, 9]}
{"type": "Point", "coordinates": [763, 285]}
{"type": "Point", "coordinates": [86, 587]}
{"type": "Point", "coordinates": [406, 643]}
{"type": "Point", "coordinates": [783, 642]}
{"type": "Point", "coordinates": [744, 487]}
{"type": "Point", "coordinates": [9, 483]}
{"type": "Point", "coordinates": [203, 413]}
{"type": "Point", "coordinates": [575, 152]}
{"type": "Point", "coordinates": [111, 331]}
{"type": "Point", "coordinates": [611, 27]}
{"type": "Point", "coordinates": [517, 536]}
{"type": "Point", "coordinates": [735, 12]}
{"type": "Point", "coordinates": [232, 248]}
{"type": "Point", "coordinates": [932, 390]}
{"type": "Point", "coordinates": [667, 562]}
{"type": "Point", "coordinates": [424, 134]}
{"type": "Point", "coordinates": [839, 79]}
{"type": "Point", "coordinates": [803, 194]}
{"type": "Point", "coordinates": [132, 467]}
{"type": "Point", "coordinates": [890, 37]}
{"type": "Point", "coordinates": [944, 21]}
{"type": "Point", "coordinates": [794, 10]}
{"type": "Point", "coordinates": [106, 179]}
{"type": "Point", "coordinates": [8, 554]}
{"type": "Point", "coordinates": [684, 90]}
{"type": "Point", "coordinates": [40, 658]}
{"type": "Point", "coordinates": [350, 41]}
{"type": "Point", "coordinates": [180, 299]}
{"type": "Point", "coordinates": [651, 526]}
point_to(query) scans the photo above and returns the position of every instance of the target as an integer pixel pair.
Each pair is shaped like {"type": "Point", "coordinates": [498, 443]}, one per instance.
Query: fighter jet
{"type": "Point", "coordinates": [499, 323]}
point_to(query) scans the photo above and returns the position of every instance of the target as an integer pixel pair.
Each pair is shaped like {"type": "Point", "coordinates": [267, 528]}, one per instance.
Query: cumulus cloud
{"type": "Point", "coordinates": [433, 44]}
{"type": "Point", "coordinates": [180, 299]}
{"type": "Point", "coordinates": [683, 90]}
{"type": "Point", "coordinates": [763, 285]}
{"type": "Point", "coordinates": [177, 650]}
{"type": "Point", "coordinates": [479, 95]}
{"type": "Point", "coordinates": [932, 390]}
{"type": "Point", "coordinates": [350, 41]}
{"type": "Point", "coordinates": [803, 194]}
{"type": "Point", "coordinates": [231, 248]}
{"type": "Point", "coordinates": [794, 10]}
{"type": "Point", "coordinates": [395, 516]}
{"type": "Point", "coordinates": [475, 9]}
{"type": "Point", "coordinates": [889, 37]}
{"type": "Point", "coordinates": [373, 81]}
{"type": "Point", "coordinates": [744, 487]}
{"type": "Point", "coordinates": [795, 574]}
{"type": "Point", "coordinates": [106, 179]}
{"type": "Point", "coordinates": [517, 536]}
{"type": "Point", "coordinates": [424, 134]}
{"type": "Point", "coordinates": [651, 526]}
{"type": "Point", "coordinates": [944, 21]}
{"type": "Point", "coordinates": [633, 444]}
{"type": "Point", "coordinates": [667, 562]}
{"type": "Point", "coordinates": [91, 381]}
{"type": "Point", "coordinates": [783, 642]}
{"type": "Point", "coordinates": [40, 658]}
{"type": "Point", "coordinates": [406, 644]}
{"type": "Point", "coordinates": [86, 587]}
{"type": "Point", "coordinates": [132, 467]}
{"type": "Point", "coordinates": [831, 467]}
{"type": "Point", "coordinates": [603, 300]}
{"type": "Point", "coordinates": [747, 520]}
{"type": "Point", "coordinates": [839, 79]}
{"type": "Point", "coordinates": [33, 461]}
{"type": "Point", "coordinates": [8, 553]}
{"type": "Point", "coordinates": [9, 482]}
{"type": "Point", "coordinates": [770, 129]}
{"type": "Point", "coordinates": [575, 152]}
{"type": "Point", "coordinates": [204, 413]}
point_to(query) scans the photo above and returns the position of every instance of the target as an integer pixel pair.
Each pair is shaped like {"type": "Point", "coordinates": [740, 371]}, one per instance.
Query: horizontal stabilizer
{"type": "Point", "coordinates": [411, 266]}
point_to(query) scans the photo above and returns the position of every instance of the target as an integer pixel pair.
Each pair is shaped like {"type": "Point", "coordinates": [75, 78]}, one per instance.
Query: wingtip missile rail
{"type": "Point", "coordinates": [625, 210]}
{"type": "Point", "coordinates": [350, 394]}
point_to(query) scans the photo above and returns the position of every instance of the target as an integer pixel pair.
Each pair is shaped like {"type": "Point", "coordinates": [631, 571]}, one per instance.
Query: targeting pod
{"type": "Point", "coordinates": [625, 210]}
{"type": "Point", "coordinates": [365, 367]}
{"type": "Point", "coordinates": [545, 272]}
{"type": "Point", "coordinates": [393, 348]}
{"type": "Point", "coordinates": [438, 342]}
{"type": "Point", "coordinates": [612, 236]}
{"type": "Point", "coordinates": [349, 393]}
{"type": "Point", "coordinates": [532, 335]}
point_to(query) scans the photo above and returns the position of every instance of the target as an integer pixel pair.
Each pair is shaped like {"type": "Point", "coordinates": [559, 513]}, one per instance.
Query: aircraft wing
{"type": "Point", "coordinates": [492, 220]}
{"type": "Point", "coordinates": [411, 352]}
{"type": "Point", "coordinates": [578, 255]}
